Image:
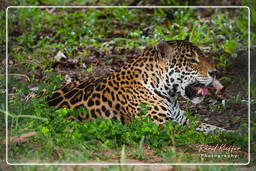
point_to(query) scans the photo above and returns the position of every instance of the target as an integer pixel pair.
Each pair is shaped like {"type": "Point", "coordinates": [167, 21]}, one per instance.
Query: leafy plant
{"type": "Point", "coordinates": [230, 46]}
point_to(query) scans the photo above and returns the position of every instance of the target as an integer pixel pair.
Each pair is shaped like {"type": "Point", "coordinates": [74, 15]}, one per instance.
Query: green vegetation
{"type": "Point", "coordinates": [113, 36]}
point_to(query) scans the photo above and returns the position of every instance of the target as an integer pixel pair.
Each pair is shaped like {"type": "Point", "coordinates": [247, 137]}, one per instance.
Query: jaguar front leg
{"type": "Point", "coordinates": [178, 116]}
{"type": "Point", "coordinates": [161, 112]}
{"type": "Point", "coordinates": [207, 128]}
{"type": "Point", "coordinates": [204, 127]}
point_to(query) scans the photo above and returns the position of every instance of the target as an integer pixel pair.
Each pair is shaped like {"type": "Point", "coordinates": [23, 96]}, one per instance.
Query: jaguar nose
{"type": "Point", "coordinates": [213, 73]}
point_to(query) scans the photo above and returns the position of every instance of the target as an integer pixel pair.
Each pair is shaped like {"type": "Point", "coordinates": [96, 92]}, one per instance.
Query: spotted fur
{"type": "Point", "coordinates": [157, 77]}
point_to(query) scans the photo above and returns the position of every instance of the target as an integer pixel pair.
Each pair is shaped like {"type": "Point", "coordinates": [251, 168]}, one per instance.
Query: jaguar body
{"type": "Point", "coordinates": [156, 77]}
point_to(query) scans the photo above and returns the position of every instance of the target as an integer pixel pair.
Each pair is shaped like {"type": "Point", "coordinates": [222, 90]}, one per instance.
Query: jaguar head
{"type": "Point", "coordinates": [189, 70]}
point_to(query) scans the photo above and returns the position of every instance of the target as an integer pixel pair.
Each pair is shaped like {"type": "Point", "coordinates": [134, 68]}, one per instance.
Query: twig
{"type": "Point", "coordinates": [20, 138]}
{"type": "Point", "coordinates": [23, 116]}
{"type": "Point", "coordinates": [33, 62]}
{"type": "Point", "coordinates": [21, 75]}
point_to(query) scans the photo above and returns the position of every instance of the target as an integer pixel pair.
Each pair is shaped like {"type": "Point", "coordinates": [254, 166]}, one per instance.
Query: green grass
{"type": "Point", "coordinates": [36, 35]}
{"type": "Point", "coordinates": [60, 138]}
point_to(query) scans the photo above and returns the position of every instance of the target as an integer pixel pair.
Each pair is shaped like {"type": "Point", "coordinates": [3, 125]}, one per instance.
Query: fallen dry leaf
{"type": "Point", "coordinates": [116, 33]}
{"type": "Point", "coordinates": [95, 62]}
{"type": "Point", "coordinates": [67, 79]}
{"type": "Point", "coordinates": [217, 85]}
{"type": "Point", "coordinates": [59, 56]}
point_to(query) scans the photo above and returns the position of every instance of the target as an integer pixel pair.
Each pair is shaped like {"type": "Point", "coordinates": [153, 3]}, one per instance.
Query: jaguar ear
{"type": "Point", "coordinates": [165, 50]}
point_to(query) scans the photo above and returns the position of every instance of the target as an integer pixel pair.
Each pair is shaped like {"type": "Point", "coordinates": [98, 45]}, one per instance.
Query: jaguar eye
{"type": "Point", "coordinates": [192, 61]}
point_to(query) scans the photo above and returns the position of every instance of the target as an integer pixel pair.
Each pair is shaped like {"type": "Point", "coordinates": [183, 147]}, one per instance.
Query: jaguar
{"type": "Point", "coordinates": [157, 77]}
